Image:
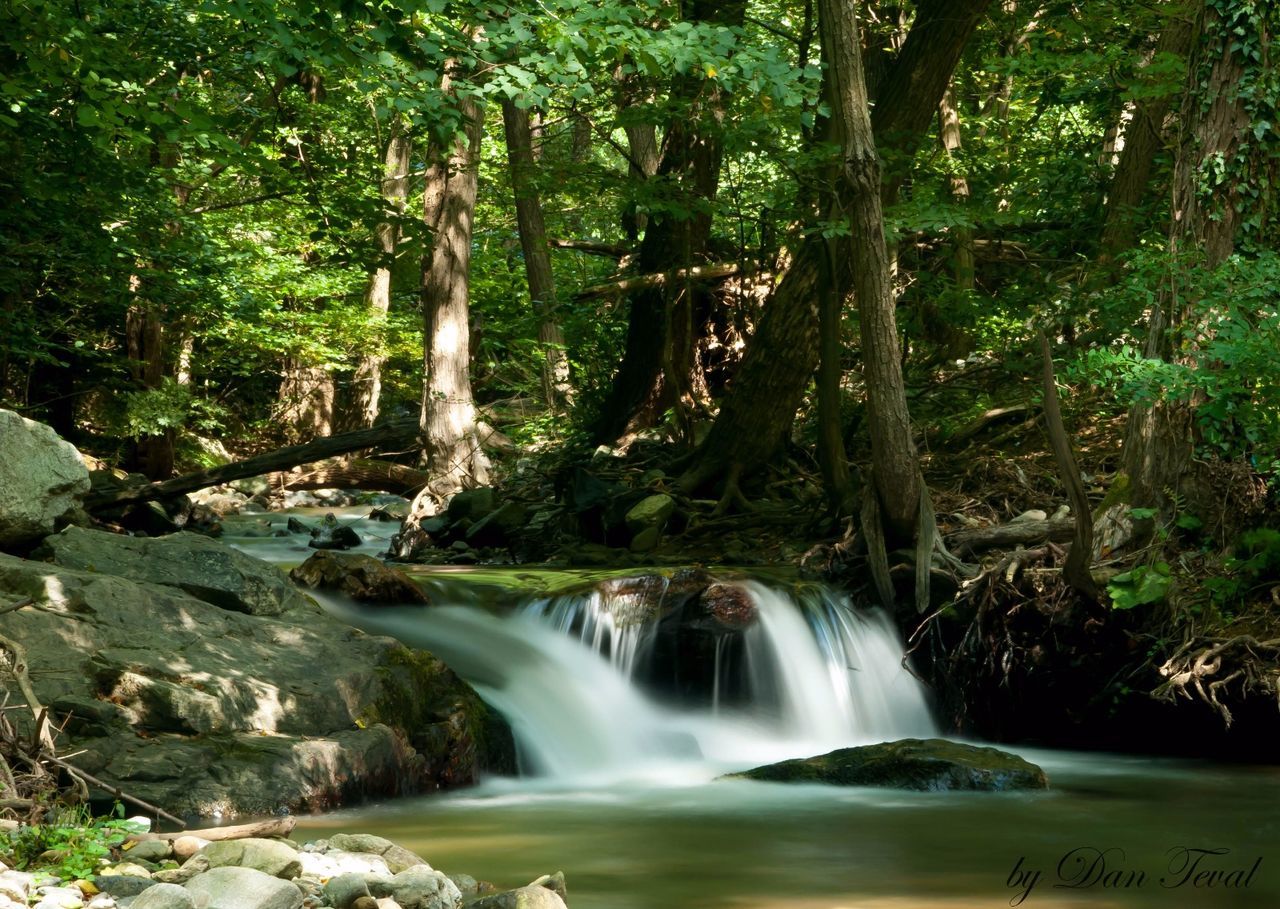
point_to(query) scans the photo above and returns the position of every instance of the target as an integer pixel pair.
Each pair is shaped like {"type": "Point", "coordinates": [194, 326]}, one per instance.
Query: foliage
{"type": "Point", "coordinates": [72, 843]}
{"type": "Point", "coordinates": [1140, 586]}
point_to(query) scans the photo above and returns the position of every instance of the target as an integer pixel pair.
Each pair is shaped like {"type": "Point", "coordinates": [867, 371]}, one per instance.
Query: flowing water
{"type": "Point", "coordinates": [620, 762]}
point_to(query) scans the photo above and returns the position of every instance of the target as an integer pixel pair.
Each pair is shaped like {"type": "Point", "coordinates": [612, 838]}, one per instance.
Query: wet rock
{"type": "Point", "coordinates": [390, 514]}
{"type": "Point", "coordinates": [204, 568]}
{"type": "Point", "coordinates": [244, 888]}
{"type": "Point", "coordinates": [360, 577]}
{"type": "Point", "coordinates": [728, 605]}
{"type": "Point", "coordinates": [333, 534]}
{"type": "Point", "coordinates": [931, 765]}
{"type": "Point", "coordinates": [293, 525]}
{"type": "Point", "coordinates": [396, 857]}
{"type": "Point", "coordinates": [43, 480]}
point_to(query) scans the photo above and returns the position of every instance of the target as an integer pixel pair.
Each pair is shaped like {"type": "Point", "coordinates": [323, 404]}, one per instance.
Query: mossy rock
{"type": "Point", "coordinates": [928, 765]}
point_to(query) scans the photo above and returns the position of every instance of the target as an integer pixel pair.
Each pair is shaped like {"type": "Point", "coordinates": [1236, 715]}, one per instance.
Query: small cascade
{"type": "Point", "coordinates": [598, 687]}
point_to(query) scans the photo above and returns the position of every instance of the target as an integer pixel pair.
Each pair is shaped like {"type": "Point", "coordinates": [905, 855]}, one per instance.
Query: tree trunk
{"type": "Point", "coordinates": [659, 366]}
{"type": "Point", "coordinates": [962, 264]}
{"type": "Point", "coordinates": [1143, 140]}
{"type": "Point", "coordinates": [366, 383]}
{"type": "Point", "coordinates": [1208, 212]}
{"type": "Point", "coordinates": [895, 464]}
{"type": "Point", "coordinates": [453, 455]}
{"type": "Point", "coordinates": [537, 254]}
{"type": "Point", "coordinates": [306, 400]}
{"type": "Point", "coordinates": [757, 411]}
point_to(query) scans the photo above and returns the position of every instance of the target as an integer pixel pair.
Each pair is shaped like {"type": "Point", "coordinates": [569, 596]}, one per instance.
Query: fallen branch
{"type": "Point", "coordinates": [276, 827]}
{"type": "Point", "coordinates": [114, 791]}
{"type": "Point", "coordinates": [642, 282]}
{"type": "Point", "coordinates": [593, 247]}
{"type": "Point", "coordinates": [988, 419]}
{"type": "Point", "coordinates": [396, 432]}
{"type": "Point", "coordinates": [968, 542]}
{"type": "Point", "coordinates": [357, 473]}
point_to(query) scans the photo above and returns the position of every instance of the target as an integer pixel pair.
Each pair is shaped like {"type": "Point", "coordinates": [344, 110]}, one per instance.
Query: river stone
{"type": "Point", "coordinates": [360, 577]}
{"type": "Point", "coordinates": [397, 857]}
{"type": "Point", "coordinates": [650, 512]}
{"type": "Point", "coordinates": [128, 869]}
{"type": "Point", "coordinates": [335, 862]}
{"type": "Point", "coordinates": [186, 846]}
{"type": "Point", "coordinates": [122, 886]}
{"type": "Point", "coordinates": [245, 888]}
{"type": "Point", "coordinates": [197, 864]}
{"type": "Point", "coordinates": [164, 896]}
{"type": "Point", "coordinates": [300, 712]}
{"type": "Point", "coordinates": [195, 564]}
{"type": "Point", "coordinates": [59, 898]}
{"type": "Point", "coordinates": [150, 851]}
{"type": "Point", "coordinates": [522, 898]}
{"type": "Point", "coordinates": [344, 889]}
{"type": "Point", "coordinates": [930, 765]}
{"type": "Point", "coordinates": [331, 533]}
{"type": "Point", "coordinates": [422, 888]}
{"type": "Point", "coordinates": [553, 882]}
{"type": "Point", "coordinates": [268, 856]}
{"type": "Point", "coordinates": [42, 480]}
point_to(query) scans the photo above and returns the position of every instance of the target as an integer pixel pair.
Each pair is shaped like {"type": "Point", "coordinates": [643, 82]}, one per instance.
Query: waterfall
{"type": "Point", "coordinates": [596, 689]}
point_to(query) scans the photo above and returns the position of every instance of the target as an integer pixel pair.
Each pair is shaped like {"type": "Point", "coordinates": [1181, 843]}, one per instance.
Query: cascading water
{"type": "Point", "coordinates": [588, 687]}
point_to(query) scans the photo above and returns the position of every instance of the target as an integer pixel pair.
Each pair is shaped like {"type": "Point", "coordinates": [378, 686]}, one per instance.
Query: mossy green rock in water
{"type": "Point", "coordinates": [929, 765]}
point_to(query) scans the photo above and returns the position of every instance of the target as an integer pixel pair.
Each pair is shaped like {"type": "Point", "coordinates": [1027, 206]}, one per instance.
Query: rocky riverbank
{"type": "Point", "coordinates": [344, 871]}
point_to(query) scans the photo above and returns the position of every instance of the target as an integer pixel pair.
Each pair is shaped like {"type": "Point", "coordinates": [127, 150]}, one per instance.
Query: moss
{"type": "Point", "coordinates": [1120, 493]}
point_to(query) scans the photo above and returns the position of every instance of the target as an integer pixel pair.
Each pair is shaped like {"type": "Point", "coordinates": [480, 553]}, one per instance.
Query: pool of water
{"type": "Point", "coordinates": [1118, 827]}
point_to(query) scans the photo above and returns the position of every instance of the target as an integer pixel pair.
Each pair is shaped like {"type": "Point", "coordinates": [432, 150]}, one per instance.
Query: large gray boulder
{"type": "Point", "coordinates": [42, 479]}
{"type": "Point", "coordinates": [268, 856]}
{"type": "Point", "coordinates": [213, 711]}
{"type": "Point", "coordinates": [244, 888]}
{"type": "Point", "coordinates": [202, 567]}
{"type": "Point", "coordinates": [931, 765]}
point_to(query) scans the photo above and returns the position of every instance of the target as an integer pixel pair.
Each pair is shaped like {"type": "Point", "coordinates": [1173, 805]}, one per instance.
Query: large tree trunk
{"type": "Point", "coordinates": [537, 254]}
{"type": "Point", "coordinates": [1144, 137]}
{"type": "Point", "coordinates": [756, 413]}
{"type": "Point", "coordinates": [305, 400]}
{"type": "Point", "coordinates": [1207, 215]}
{"type": "Point", "coordinates": [366, 383]}
{"type": "Point", "coordinates": [451, 442]}
{"type": "Point", "coordinates": [659, 366]}
{"type": "Point", "coordinates": [895, 465]}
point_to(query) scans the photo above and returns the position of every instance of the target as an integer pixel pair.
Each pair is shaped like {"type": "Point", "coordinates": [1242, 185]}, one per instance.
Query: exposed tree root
{"type": "Point", "coordinates": [1209, 667]}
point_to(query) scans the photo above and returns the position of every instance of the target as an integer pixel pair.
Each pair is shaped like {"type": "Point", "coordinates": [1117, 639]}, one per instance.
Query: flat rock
{"type": "Point", "coordinates": [932, 765]}
{"type": "Point", "coordinates": [195, 564]}
{"type": "Point", "coordinates": [361, 577]}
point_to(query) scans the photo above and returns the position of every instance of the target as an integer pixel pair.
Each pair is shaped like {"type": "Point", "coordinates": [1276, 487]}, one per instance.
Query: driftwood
{"type": "Point", "coordinates": [968, 542]}
{"type": "Point", "coordinates": [276, 827]}
{"type": "Point", "coordinates": [397, 432]}
{"type": "Point", "coordinates": [641, 282]}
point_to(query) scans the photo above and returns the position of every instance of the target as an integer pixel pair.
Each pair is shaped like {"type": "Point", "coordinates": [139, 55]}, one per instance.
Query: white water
{"type": "Point", "coordinates": [819, 676]}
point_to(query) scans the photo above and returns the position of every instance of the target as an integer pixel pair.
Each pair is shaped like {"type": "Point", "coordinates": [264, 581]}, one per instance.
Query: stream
{"type": "Point", "coordinates": [620, 759]}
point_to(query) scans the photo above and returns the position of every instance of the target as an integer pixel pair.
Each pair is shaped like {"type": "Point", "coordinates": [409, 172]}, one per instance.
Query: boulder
{"type": "Point", "coordinates": [650, 512]}
{"type": "Point", "coordinates": [121, 886]}
{"type": "Point", "coordinates": [341, 890]}
{"type": "Point", "coordinates": [43, 480]}
{"type": "Point", "coordinates": [396, 857]}
{"type": "Point", "coordinates": [164, 896]}
{"type": "Point", "coordinates": [203, 567]}
{"type": "Point", "coordinates": [929, 765]}
{"type": "Point", "coordinates": [244, 888]}
{"type": "Point", "coordinates": [331, 533]}
{"type": "Point", "coordinates": [209, 711]}
{"type": "Point", "coordinates": [268, 856]}
{"type": "Point", "coordinates": [472, 504]}
{"type": "Point", "coordinates": [530, 897]}
{"type": "Point", "coordinates": [360, 577]}
{"type": "Point", "coordinates": [150, 851]}
{"type": "Point", "coordinates": [423, 888]}
{"type": "Point", "coordinates": [728, 605]}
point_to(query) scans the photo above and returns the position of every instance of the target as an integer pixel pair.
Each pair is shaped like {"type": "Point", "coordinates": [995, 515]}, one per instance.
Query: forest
{"type": "Point", "coordinates": [966, 309]}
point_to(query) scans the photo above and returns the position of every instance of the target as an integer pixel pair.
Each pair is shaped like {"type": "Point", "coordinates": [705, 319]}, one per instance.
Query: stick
{"type": "Point", "coordinates": [277, 827]}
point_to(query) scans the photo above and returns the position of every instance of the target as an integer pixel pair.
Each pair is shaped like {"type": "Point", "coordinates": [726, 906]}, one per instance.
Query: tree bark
{"type": "Point", "coordinates": [366, 383]}
{"type": "Point", "coordinates": [537, 254]}
{"type": "Point", "coordinates": [306, 400]}
{"type": "Point", "coordinates": [659, 366]}
{"type": "Point", "coordinates": [1144, 138]}
{"type": "Point", "coordinates": [451, 442]}
{"type": "Point", "coordinates": [962, 260]}
{"type": "Point", "coordinates": [757, 411]}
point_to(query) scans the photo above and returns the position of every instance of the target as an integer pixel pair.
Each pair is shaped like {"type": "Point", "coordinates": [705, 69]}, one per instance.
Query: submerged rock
{"type": "Point", "coordinates": [333, 534]}
{"type": "Point", "coordinates": [928, 765]}
{"type": "Point", "coordinates": [43, 480]}
{"type": "Point", "coordinates": [360, 577]}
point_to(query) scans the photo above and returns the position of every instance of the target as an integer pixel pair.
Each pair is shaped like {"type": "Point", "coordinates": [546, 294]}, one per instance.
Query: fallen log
{"type": "Point", "coordinates": [1015, 533]}
{"type": "Point", "coordinates": [396, 432]}
{"type": "Point", "coordinates": [641, 282]}
{"type": "Point", "coordinates": [593, 247]}
{"type": "Point", "coordinates": [358, 473]}
{"type": "Point", "coordinates": [276, 827]}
